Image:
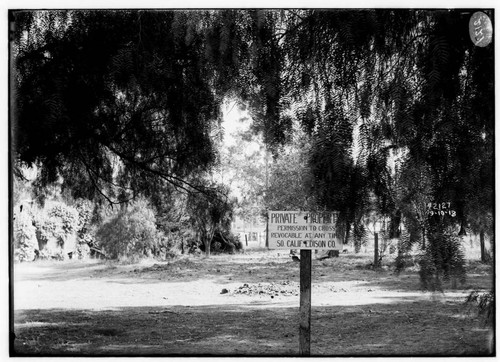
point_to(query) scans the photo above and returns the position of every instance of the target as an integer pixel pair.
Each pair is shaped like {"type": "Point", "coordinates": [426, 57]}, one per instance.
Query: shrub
{"type": "Point", "coordinates": [167, 247]}
{"type": "Point", "coordinates": [84, 209]}
{"type": "Point", "coordinates": [235, 240]}
{"type": "Point", "coordinates": [82, 250]}
{"type": "Point", "coordinates": [25, 242]}
{"type": "Point", "coordinates": [178, 236]}
{"type": "Point", "coordinates": [65, 217]}
{"type": "Point", "coordinates": [56, 226]}
{"type": "Point", "coordinates": [227, 243]}
{"type": "Point", "coordinates": [85, 236]}
{"type": "Point", "coordinates": [130, 234]}
{"type": "Point", "coordinates": [210, 213]}
{"type": "Point", "coordinates": [484, 303]}
{"type": "Point", "coordinates": [443, 260]}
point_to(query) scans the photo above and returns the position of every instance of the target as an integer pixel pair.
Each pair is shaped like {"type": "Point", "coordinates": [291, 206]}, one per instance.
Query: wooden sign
{"type": "Point", "coordinates": [306, 231]}
{"type": "Point", "coordinates": [302, 230]}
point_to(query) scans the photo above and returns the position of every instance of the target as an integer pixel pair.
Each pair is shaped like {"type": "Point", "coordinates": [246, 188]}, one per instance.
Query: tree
{"type": "Point", "coordinates": [130, 233]}
{"type": "Point", "coordinates": [114, 101]}
{"type": "Point", "coordinates": [290, 178]}
{"type": "Point", "coordinates": [118, 102]}
{"type": "Point", "coordinates": [409, 82]}
{"type": "Point", "coordinates": [243, 170]}
{"type": "Point", "coordinates": [211, 213]}
{"type": "Point", "coordinates": [339, 183]}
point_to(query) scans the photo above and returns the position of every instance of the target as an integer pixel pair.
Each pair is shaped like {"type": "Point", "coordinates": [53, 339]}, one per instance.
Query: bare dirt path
{"type": "Point", "coordinates": [246, 304]}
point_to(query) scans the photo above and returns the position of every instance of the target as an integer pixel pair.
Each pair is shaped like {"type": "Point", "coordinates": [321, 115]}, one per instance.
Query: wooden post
{"type": "Point", "coordinates": [267, 232]}
{"type": "Point", "coordinates": [375, 258]}
{"type": "Point", "coordinates": [305, 303]}
{"type": "Point", "coordinates": [481, 245]}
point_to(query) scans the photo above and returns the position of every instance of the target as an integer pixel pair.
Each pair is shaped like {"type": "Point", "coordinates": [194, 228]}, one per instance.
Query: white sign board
{"type": "Point", "coordinates": [302, 230]}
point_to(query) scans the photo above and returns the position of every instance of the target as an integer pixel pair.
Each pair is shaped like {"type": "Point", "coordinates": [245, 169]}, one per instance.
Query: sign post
{"type": "Point", "coordinates": [305, 231]}
{"type": "Point", "coordinates": [375, 250]}
{"type": "Point", "coordinates": [305, 303]}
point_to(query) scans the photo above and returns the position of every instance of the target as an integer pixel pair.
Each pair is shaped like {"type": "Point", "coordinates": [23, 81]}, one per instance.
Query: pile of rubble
{"type": "Point", "coordinates": [284, 288]}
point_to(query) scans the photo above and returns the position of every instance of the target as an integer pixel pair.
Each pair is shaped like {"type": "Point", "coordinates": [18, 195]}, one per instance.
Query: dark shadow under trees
{"type": "Point", "coordinates": [399, 328]}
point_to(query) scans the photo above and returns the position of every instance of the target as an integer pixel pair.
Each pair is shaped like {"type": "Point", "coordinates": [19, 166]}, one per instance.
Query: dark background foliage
{"type": "Point", "coordinates": [120, 104]}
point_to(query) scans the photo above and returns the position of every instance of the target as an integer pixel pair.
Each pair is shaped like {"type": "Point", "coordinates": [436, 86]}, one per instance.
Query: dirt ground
{"type": "Point", "coordinates": [240, 305]}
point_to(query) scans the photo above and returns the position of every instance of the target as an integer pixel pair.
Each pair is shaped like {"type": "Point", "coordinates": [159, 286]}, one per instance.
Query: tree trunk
{"type": "Point", "coordinates": [267, 234]}
{"type": "Point", "coordinates": [375, 251]}
{"type": "Point", "coordinates": [483, 249]}
{"type": "Point", "coordinates": [209, 236]}
{"type": "Point", "coordinates": [492, 246]}
{"type": "Point", "coordinates": [207, 247]}
{"type": "Point", "coordinates": [346, 238]}
{"type": "Point", "coordinates": [394, 226]}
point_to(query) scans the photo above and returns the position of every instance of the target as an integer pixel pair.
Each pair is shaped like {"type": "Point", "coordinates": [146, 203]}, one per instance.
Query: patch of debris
{"type": "Point", "coordinates": [155, 267]}
{"type": "Point", "coordinates": [169, 266]}
{"type": "Point", "coordinates": [284, 289]}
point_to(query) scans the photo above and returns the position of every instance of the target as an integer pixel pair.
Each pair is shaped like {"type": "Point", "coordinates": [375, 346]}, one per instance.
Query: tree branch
{"type": "Point", "coordinates": [174, 180]}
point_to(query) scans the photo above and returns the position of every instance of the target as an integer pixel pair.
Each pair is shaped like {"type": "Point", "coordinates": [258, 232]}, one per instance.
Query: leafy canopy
{"type": "Point", "coordinates": [120, 102]}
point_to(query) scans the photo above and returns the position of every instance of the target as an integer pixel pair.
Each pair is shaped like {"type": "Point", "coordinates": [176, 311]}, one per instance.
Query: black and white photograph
{"type": "Point", "coordinates": [251, 181]}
